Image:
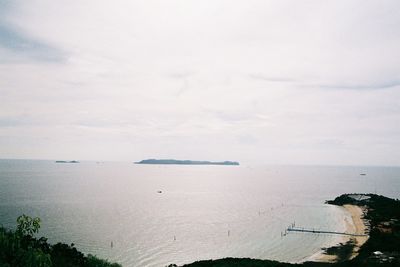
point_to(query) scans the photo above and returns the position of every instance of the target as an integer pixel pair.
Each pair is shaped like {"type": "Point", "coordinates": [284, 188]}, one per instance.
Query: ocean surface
{"type": "Point", "coordinates": [203, 212]}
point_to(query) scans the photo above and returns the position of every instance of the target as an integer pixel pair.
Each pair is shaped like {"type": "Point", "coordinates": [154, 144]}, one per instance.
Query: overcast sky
{"type": "Point", "coordinates": [273, 82]}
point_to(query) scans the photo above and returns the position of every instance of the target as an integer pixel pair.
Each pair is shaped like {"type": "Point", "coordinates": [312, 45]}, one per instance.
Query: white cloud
{"type": "Point", "coordinates": [254, 81]}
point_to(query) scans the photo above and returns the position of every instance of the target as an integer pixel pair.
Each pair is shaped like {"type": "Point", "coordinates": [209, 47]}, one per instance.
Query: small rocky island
{"type": "Point", "coordinates": [185, 162]}
{"type": "Point", "coordinates": [65, 161]}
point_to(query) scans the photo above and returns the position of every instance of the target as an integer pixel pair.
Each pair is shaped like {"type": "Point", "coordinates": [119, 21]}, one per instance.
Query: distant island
{"type": "Point", "coordinates": [185, 162]}
{"type": "Point", "coordinates": [65, 161]}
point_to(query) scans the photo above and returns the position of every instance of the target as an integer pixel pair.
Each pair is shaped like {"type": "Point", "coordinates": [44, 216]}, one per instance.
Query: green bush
{"type": "Point", "coordinates": [21, 249]}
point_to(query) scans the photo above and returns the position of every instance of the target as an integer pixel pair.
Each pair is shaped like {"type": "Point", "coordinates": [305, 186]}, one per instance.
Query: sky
{"type": "Point", "coordinates": [260, 82]}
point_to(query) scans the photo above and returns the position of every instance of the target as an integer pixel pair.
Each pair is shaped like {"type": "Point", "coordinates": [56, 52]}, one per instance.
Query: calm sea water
{"type": "Point", "coordinates": [203, 212]}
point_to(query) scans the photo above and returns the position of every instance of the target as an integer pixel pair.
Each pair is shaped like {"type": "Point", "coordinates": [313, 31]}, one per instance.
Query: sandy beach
{"type": "Point", "coordinates": [357, 227]}
{"type": "Point", "coordinates": [354, 225]}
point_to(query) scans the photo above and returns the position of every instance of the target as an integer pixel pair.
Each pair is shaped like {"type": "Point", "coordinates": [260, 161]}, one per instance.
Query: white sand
{"type": "Point", "coordinates": [355, 226]}
{"type": "Point", "coordinates": [358, 227]}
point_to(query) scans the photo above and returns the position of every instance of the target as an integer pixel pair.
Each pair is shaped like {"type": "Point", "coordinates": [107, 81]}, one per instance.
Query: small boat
{"type": "Point", "coordinates": [159, 191]}
{"type": "Point", "coordinates": [363, 174]}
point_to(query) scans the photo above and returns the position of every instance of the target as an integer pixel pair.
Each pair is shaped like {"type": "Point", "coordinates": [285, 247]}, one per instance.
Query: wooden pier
{"type": "Point", "coordinates": [298, 229]}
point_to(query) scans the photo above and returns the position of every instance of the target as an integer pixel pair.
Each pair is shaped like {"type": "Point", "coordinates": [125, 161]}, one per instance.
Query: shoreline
{"type": "Point", "coordinates": [356, 225]}
{"type": "Point", "coordinates": [359, 226]}
{"type": "Point", "coordinates": [380, 232]}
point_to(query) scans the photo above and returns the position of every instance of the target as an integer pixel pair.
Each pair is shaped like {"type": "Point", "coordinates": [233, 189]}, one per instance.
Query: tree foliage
{"type": "Point", "coordinates": [21, 249]}
{"type": "Point", "coordinates": [27, 225]}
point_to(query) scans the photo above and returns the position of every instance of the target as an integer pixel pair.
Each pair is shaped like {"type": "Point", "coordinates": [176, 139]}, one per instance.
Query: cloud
{"type": "Point", "coordinates": [247, 139]}
{"type": "Point", "coordinates": [11, 122]}
{"type": "Point", "coordinates": [21, 45]}
{"type": "Point", "coordinates": [371, 86]}
{"type": "Point", "coordinates": [18, 121]}
{"type": "Point", "coordinates": [184, 78]}
{"type": "Point", "coordinates": [329, 143]}
{"type": "Point", "coordinates": [351, 85]}
{"type": "Point", "coordinates": [258, 76]}
{"type": "Point", "coordinates": [232, 79]}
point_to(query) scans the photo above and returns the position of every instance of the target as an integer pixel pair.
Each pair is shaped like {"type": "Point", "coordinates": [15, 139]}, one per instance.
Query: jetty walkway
{"type": "Point", "coordinates": [298, 229]}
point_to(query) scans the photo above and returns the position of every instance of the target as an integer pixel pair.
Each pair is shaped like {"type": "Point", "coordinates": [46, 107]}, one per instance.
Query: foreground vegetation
{"type": "Point", "coordinates": [20, 248]}
{"type": "Point", "coordinates": [382, 248]}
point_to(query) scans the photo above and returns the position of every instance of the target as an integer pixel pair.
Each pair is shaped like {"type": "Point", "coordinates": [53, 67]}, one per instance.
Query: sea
{"type": "Point", "coordinates": [156, 215]}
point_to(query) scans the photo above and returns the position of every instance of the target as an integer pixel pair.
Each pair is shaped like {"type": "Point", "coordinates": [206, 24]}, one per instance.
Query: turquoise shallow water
{"type": "Point", "coordinates": [203, 212]}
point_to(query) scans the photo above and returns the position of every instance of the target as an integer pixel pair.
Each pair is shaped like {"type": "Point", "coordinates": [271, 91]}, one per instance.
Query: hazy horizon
{"type": "Point", "coordinates": [259, 82]}
{"type": "Point", "coordinates": [244, 163]}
